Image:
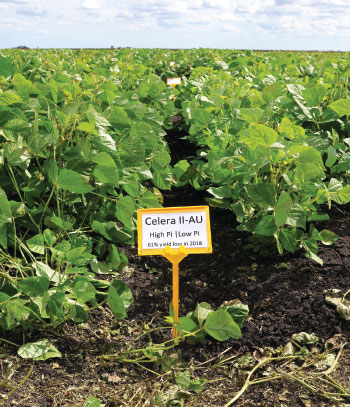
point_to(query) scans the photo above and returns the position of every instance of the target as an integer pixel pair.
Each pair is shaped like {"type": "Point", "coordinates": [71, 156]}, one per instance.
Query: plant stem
{"type": "Point", "coordinates": [97, 305]}
{"type": "Point", "coordinates": [13, 179]}
{"type": "Point", "coordinates": [46, 205]}
{"type": "Point", "coordinates": [104, 196]}
{"type": "Point", "coordinates": [19, 384]}
{"type": "Point", "coordinates": [9, 342]}
{"type": "Point", "coordinates": [5, 275]}
{"type": "Point", "coordinates": [149, 370]}
{"type": "Point", "coordinates": [247, 383]}
{"type": "Point", "coordinates": [58, 204]}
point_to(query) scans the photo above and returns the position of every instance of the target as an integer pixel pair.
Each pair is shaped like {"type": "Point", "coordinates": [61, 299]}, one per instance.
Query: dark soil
{"type": "Point", "coordinates": [284, 295]}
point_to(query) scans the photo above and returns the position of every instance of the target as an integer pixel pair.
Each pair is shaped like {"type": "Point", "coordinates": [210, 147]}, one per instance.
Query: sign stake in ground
{"type": "Point", "coordinates": [174, 233]}
{"type": "Point", "coordinates": [173, 82]}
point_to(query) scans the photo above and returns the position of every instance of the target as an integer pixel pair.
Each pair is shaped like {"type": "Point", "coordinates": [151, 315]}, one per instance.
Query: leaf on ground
{"type": "Point", "coordinates": [305, 338]}
{"type": "Point", "coordinates": [40, 350]}
{"type": "Point", "coordinates": [93, 402]}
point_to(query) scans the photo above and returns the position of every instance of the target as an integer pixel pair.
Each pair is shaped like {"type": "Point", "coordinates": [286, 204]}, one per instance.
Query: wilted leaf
{"type": "Point", "coordinates": [304, 338]}
{"type": "Point", "coordinates": [40, 350]}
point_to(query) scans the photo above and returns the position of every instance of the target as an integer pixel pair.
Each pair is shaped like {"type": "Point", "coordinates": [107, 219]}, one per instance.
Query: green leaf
{"type": "Point", "coordinates": [186, 324]}
{"type": "Point", "coordinates": [262, 194]}
{"type": "Point", "coordinates": [315, 94]}
{"type": "Point", "coordinates": [3, 297]}
{"type": "Point", "coordinates": [124, 210]}
{"type": "Point", "coordinates": [87, 127]}
{"type": "Point", "coordinates": [266, 226]}
{"type": "Point", "coordinates": [344, 194]}
{"type": "Point", "coordinates": [288, 239]}
{"type": "Point", "coordinates": [131, 152]}
{"type": "Point", "coordinates": [113, 259]}
{"type": "Point", "coordinates": [328, 237]}
{"type": "Point", "coordinates": [311, 155]}
{"type": "Point", "coordinates": [183, 379]}
{"type": "Point", "coordinates": [3, 236]}
{"type": "Point", "coordinates": [179, 170]}
{"type": "Point", "coordinates": [331, 156]}
{"type": "Point", "coordinates": [297, 216]}
{"type": "Point", "coordinates": [17, 125]}
{"type": "Point", "coordinates": [49, 237]}
{"type": "Point", "coordinates": [36, 244]}
{"type": "Point", "coordinates": [9, 98]}
{"type": "Point", "coordinates": [221, 192]}
{"type": "Point", "coordinates": [5, 208]}
{"type": "Point", "coordinates": [162, 177]}
{"type": "Point", "coordinates": [118, 116]}
{"type": "Point", "coordinates": [147, 135]}
{"type": "Point", "coordinates": [131, 186]}
{"type": "Point", "coordinates": [197, 385]}
{"type": "Point", "coordinates": [40, 350]}
{"type": "Point", "coordinates": [201, 117]}
{"type": "Point", "coordinates": [16, 154]}
{"type": "Point", "coordinates": [149, 200]}
{"type": "Point", "coordinates": [341, 106]}
{"type": "Point", "coordinates": [56, 221]}
{"type": "Point", "coordinates": [54, 306]}
{"type": "Point", "coordinates": [69, 180]}
{"type": "Point", "coordinates": [92, 402]}
{"type": "Point", "coordinates": [34, 286]}
{"type": "Point", "coordinates": [115, 301]}
{"type": "Point", "coordinates": [238, 312]}
{"type": "Point", "coordinates": [83, 290]}
{"type": "Point", "coordinates": [220, 325]}
{"type": "Point", "coordinates": [202, 311]}
{"type": "Point", "coordinates": [290, 130]}
{"type": "Point", "coordinates": [98, 267]}
{"type": "Point", "coordinates": [123, 292]}
{"type": "Point", "coordinates": [7, 68]}
{"type": "Point", "coordinates": [312, 250]}
{"type": "Point", "coordinates": [106, 171]}
{"type": "Point", "coordinates": [318, 217]}
{"type": "Point", "coordinates": [305, 172]}
{"type": "Point", "coordinates": [162, 158]}
{"type": "Point", "coordinates": [78, 256]}
{"type": "Point", "coordinates": [14, 312]}
{"type": "Point", "coordinates": [258, 135]}
{"type": "Point", "coordinates": [44, 270]}
{"type": "Point", "coordinates": [282, 208]}
{"type": "Point", "coordinates": [104, 142]}
{"type": "Point", "coordinates": [252, 115]}
{"type": "Point", "coordinates": [77, 314]}
{"type": "Point", "coordinates": [51, 170]}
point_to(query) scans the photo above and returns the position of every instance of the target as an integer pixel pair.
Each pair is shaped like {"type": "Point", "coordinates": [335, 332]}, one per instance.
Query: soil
{"type": "Point", "coordinates": [284, 294]}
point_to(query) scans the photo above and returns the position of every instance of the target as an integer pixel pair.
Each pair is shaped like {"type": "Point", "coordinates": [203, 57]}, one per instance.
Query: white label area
{"type": "Point", "coordinates": [187, 229]}
{"type": "Point", "coordinates": [174, 81]}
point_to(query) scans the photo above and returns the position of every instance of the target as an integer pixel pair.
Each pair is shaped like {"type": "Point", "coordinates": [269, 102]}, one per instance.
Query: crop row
{"type": "Point", "coordinates": [82, 148]}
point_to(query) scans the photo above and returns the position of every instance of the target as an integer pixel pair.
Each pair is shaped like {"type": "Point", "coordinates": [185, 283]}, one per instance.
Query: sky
{"type": "Point", "coordinates": [247, 24]}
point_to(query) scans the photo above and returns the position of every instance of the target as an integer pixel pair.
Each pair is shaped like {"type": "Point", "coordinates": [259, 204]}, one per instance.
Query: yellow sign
{"type": "Point", "coordinates": [173, 81]}
{"type": "Point", "coordinates": [187, 226]}
{"type": "Point", "coordinates": [174, 233]}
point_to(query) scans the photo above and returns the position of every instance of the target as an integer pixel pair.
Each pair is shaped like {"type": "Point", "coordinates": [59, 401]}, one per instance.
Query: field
{"type": "Point", "coordinates": [90, 136]}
